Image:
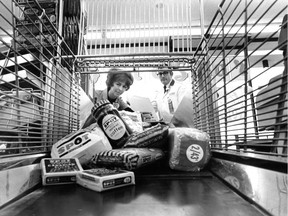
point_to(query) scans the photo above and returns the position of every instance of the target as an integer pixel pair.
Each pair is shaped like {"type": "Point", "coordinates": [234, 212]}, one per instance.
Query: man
{"type": "Point", "coordinates": [168, 100]}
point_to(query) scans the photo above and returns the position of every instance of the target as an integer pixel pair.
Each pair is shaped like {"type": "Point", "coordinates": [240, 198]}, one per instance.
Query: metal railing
{"type": "Point", "coordinates": [241, 70]}
{"type": "Point", "coordinates": [39, 95]}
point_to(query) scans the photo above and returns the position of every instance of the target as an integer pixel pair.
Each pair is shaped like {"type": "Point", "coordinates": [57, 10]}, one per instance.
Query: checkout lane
{"type": "Point", "coordinates": [157, 193]}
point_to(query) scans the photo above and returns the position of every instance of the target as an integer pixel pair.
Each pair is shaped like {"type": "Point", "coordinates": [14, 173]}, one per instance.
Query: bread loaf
{"type": "Point", "coordinates": [189, 149]}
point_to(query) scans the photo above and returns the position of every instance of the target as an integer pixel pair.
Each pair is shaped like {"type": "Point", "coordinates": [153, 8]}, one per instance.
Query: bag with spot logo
{"type": "Point", "coordinates": [81, 144]}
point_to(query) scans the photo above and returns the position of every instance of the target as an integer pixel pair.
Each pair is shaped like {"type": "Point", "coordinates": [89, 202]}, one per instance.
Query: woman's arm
{"type": "Point", "coordinates": [128, 109]}
{"type": "Point", "coordinates": [123, 105]}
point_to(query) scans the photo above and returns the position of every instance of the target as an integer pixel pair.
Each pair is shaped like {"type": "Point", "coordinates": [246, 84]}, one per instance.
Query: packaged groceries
{"type": "Point", "coordinates": [101, 179]}
{"type": "Point", "coordinates": [153, 137]}
{"type": "Point", "coordinates": [127, 158]}
{"type": "Point", "coordinates": [133, 120]}
{"type": "Point", "coordinates": [112, 124]}
{"type": "Point", "coordinates": [82, 144]}
{"type": "Point", "coordinates": [189, 149]}
{"type": "Point", "coordinates": [59, 171]}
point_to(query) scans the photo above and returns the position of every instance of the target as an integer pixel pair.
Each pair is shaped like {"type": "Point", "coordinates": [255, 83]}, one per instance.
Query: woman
{"type": "Point", "coordinates": [117, 83]}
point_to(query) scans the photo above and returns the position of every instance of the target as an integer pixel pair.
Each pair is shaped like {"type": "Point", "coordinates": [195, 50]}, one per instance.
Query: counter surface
{"type": "Point", "coordinates": [156, 194]}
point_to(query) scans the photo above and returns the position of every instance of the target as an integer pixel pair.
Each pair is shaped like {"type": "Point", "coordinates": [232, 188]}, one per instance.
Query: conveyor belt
{"type": "Point", "coordinates": [156, 194]}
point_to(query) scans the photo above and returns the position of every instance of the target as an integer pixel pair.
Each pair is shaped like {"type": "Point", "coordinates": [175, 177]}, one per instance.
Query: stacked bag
{"type": "Point", "coordinates": [82, 144]}
{"type": "Point", "coordinates": [187, 149]}
{"type": "Point", "coordinates": [139, 150]}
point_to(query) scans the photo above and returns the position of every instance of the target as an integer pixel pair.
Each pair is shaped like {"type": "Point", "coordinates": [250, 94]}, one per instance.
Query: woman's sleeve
{"type": "Point", "coordinates": [123, 105]}
{"type": "Point", "coordinates": [128, 109]}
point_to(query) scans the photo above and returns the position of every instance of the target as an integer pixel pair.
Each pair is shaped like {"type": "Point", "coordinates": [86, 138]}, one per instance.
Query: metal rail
{"type": "Point", "coordinates": [38, 94]}
{"type": "Point", "coordinates": [249, 106]}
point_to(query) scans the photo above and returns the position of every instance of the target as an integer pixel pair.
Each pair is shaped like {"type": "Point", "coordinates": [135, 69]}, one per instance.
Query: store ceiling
{"type": "Point", "coordinates": [131, 11]}
{"type": "Point", "coordinates": [136, 12]}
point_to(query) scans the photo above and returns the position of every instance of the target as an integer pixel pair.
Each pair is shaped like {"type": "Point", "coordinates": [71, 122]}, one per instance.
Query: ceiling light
{"type": "Point", "coordinates": [5, 39]}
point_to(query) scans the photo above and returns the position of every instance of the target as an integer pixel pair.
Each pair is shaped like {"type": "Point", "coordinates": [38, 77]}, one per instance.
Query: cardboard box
{"type": "Point", "coordinates": [59, 171]}
{"type": "Point", "coordinates": [101, 179]}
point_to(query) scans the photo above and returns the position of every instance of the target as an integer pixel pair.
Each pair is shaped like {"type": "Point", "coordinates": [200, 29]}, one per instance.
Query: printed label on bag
{"type": "Point", "coordinates": [113, 126]}
{"type": "Point", "coordinates": [194, 153]}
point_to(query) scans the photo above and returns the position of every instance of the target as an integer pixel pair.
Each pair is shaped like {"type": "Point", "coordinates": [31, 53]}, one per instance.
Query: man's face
{"type": "Point", "coordinates": [165, 77]}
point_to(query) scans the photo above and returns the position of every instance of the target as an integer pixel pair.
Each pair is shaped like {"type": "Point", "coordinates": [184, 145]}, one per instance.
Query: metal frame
{"type": "Point", "coordinates": [32, 66]}
{"type": "Point", "coordinates": [218, 115]}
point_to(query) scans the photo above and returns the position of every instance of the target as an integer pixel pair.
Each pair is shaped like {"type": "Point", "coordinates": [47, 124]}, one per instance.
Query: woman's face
{"type": "Point", "coordinates": [117, 89]}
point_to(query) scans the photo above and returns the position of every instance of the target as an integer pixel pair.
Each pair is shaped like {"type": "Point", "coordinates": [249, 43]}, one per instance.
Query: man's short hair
{"type": "Point", "coordinates": [163, 68]}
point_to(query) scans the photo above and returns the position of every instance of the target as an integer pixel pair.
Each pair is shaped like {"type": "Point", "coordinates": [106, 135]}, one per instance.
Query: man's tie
{"type": "Point", "coordinates": [165, 89]}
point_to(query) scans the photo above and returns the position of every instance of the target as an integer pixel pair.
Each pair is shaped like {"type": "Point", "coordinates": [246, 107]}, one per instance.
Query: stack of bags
{"type": "Point", "coordinates": [187, 149]}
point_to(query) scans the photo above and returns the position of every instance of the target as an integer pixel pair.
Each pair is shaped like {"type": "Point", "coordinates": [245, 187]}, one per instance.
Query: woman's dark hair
{"type": "Point", "coordinates": [115, 75]}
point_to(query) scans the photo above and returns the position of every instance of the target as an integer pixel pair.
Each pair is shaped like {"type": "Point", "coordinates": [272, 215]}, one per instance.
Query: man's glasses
{"type": "Point", "coordinates": [162, 73]}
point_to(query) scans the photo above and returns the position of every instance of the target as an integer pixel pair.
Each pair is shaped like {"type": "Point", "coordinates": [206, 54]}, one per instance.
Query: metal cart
{"type": "Point", "coordinates": [234, 53]}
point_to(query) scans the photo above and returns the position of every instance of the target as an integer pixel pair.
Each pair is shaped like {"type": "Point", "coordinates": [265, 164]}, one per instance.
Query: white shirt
{"type": "Point", "coordinates": [173, 96]}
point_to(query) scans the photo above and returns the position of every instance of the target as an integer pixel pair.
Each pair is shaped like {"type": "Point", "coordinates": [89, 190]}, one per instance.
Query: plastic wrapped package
{"type": "Point", "coordinates": [82, 144]}
{"type": "Point", "coordinates": [189, 149]}
{"type": "Point", "coordinates": [133, 119]}
{"type": "Point", "coordinates": [153, 137]}
{"type": "Point", "coordinates": [127, 159]}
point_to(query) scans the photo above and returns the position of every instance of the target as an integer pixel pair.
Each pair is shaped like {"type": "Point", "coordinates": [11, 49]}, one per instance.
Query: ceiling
{"type": "Point", "coordinates": [110, 14]}
{"type": "Point", "coordinates": [157, 12]}
{"type": "Point", "coordinates": [117, 15]}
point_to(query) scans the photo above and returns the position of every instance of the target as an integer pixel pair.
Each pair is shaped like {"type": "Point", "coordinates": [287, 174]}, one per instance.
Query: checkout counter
{"type": "Point", "coordinates": [158, 191]}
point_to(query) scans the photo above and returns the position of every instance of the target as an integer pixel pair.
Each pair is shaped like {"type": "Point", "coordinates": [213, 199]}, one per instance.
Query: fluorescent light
{"type": "Point", "coordinates": [262, 53]}
{"type": "Point", "coordinates": [259, 28]}
{"type": "Point", "coordinates": [142, 33]}
{"type": "Point", "coordinates": [5, 39]}
{"type": "Point", "coordinates": [94, 34]}
{"type": "Point", "coordinates": [20, 60]}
